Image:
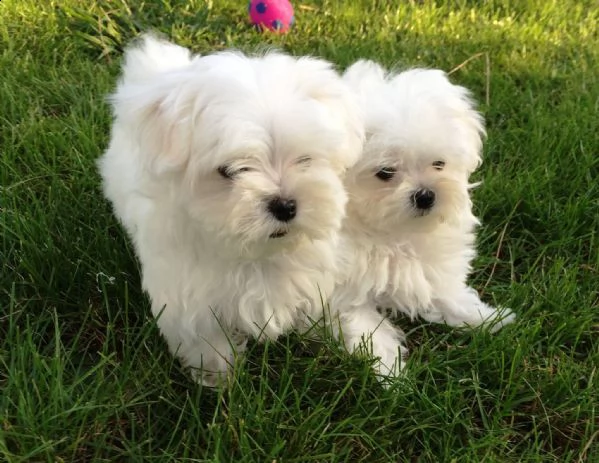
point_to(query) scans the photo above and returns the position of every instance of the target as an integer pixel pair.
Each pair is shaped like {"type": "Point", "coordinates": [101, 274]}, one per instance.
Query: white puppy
{"type": "Point", "coordinates": [408, 238]}
{"type": "Point", "coordinates": [226, 172]}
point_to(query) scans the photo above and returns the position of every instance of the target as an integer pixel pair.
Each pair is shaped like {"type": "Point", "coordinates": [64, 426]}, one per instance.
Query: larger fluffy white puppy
{"type": "Point", "coordinates": [226, 173]}
{"type": "Point", "coordinates": [408, 238]}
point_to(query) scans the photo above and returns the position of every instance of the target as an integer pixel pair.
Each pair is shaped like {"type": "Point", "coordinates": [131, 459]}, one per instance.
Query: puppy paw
{"type": "Point", "coordinates": [491, 318]}
{"type": "Point", "coordinates": [366, 332]}
{"type": "Point", "coordinates": [466, 310]}
{"type": "Point", "coordinates": [502, 316]}
{"type": "Point", "coordinates": [390, 360]}
{"type": "Point", "coordinates": [211, 379]}
{"type": "Point", "coordinates": [388, 350]}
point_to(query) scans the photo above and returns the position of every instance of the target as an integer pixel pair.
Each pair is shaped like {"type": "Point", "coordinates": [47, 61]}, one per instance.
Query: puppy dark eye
{"type": "Point", "coordinates": [439, 165]}
{"type": "Point", "coordinates": [228, 173]}
{"type": "Point", "coordinates": [304, 160]}
{"type": "Point", "coordinates": [386, 173]}
{"type": "Point", "coordinates": [225, 172]}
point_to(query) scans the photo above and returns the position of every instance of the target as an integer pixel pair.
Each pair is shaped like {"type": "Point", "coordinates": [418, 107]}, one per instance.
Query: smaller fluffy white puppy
{"type": "Point", "coordinates": [408, 237]}
{"type": "Point", "coordinates": [226, 172]}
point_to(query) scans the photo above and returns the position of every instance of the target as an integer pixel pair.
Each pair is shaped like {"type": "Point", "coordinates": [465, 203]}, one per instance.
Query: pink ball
{"type": "Point", "coordinates": [275, 15]}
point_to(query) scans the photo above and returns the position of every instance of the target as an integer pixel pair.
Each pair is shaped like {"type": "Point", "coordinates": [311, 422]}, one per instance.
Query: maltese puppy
{"type": "Point", "coordinates": [408, 237]}
{"type": "Point", "coordinates": [226, 172]}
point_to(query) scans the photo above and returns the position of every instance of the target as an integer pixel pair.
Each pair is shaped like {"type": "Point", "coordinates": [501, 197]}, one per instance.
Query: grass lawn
{"type": "Point", "coordinates": [84, 374]}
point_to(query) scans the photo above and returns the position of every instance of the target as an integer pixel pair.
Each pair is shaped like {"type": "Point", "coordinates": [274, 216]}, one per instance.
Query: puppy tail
{"type": "Point", "coordinates": [150, 55]}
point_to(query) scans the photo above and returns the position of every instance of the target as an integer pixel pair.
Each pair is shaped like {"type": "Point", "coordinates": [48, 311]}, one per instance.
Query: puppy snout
{"type": "Point", "coordinates": [282, 209]}
{"type": "Point", "coordinates": [423, 199]}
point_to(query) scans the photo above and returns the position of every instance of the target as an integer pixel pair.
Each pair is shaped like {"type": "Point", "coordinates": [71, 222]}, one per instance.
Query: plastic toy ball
{"type": "Point", "coordinates": [274, 15]}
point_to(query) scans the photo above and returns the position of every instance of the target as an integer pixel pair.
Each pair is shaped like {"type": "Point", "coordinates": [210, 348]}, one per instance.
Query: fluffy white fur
{"type": "Point", "coordinates": [200, 147]}
{"type": "Point", "coordinates": [424, 135]}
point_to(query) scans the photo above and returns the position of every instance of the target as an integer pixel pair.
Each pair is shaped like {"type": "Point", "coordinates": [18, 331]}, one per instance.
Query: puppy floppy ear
{"type": "Point", "coordinates": [430, 95]}
{"type": "Point", "coordinates": [469, 125]}
{"type": "Point", "coordinates": [475, 133]}
{"type": "Point", "coordinates": [466, 122]}
{"type": "Point", "coordinates": [150, 102]}
{"type": "Point", "coordinates": [364, 76]}
{"type": "Point", "coordinates": [322, 83]}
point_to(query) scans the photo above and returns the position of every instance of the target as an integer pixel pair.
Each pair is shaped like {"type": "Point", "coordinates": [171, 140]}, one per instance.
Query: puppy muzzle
{"type": "Point", "coordinates": [423, 199]}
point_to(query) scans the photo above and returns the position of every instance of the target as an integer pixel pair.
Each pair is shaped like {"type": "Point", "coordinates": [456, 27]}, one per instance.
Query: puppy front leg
{"type": "Point", "coordinates": [209, 353]}
{"type": "Point", "coordinates": [364, 330]}
{"type": "Point", "coordinates": [464, 308]}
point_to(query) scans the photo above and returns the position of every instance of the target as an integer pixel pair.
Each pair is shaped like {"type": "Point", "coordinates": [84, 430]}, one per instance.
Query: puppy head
{"type": "Point", "coordinates": [423, 141]}
{"type": "Point", "coordinates": [252, 148]}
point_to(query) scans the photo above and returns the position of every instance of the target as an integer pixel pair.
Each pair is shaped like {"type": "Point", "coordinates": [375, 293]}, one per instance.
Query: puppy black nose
{"type": "Point", "coordinates": [424, 199]}
{"type": "Point", "coordinates": [282, 209]}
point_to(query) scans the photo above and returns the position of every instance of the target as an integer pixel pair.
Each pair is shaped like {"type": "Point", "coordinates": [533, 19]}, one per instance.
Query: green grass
{"type": "Point", "coordinates": [84, 374]}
